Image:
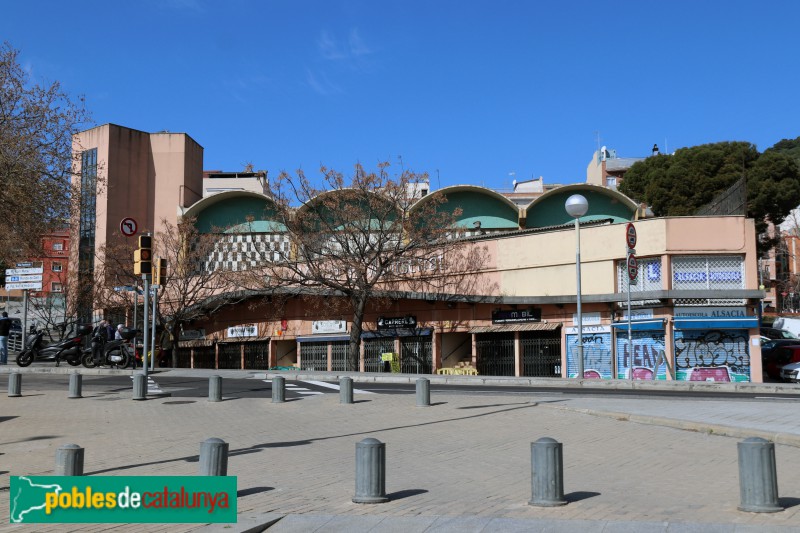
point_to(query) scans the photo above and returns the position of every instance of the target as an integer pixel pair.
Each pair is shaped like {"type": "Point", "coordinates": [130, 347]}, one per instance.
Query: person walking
{"type": "Point", "coordinates": [5, 330]}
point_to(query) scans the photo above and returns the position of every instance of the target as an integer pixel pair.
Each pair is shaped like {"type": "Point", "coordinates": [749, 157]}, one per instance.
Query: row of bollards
{"type": "Point", "coordinates": [757, 478]}
{"type": "Point", "coordinates": [758, 483]}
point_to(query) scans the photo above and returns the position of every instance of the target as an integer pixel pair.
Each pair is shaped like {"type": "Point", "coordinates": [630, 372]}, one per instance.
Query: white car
{"type": "Point", "coordinates": [790, 372]}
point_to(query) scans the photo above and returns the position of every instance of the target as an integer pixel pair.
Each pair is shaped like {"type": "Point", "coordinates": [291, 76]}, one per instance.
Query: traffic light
{"type": "Point", "coordinates": [143, 257]}
{"type": "Point", "coordinates": [160, 272]}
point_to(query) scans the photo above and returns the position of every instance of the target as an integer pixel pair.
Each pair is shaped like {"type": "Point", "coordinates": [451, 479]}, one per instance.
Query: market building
{"type": "Point", "coordinates": [693, 306]}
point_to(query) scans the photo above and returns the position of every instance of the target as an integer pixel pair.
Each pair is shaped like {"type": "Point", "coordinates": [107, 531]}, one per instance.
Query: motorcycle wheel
{"type": "Point", "coordinates": [74, 361]}
{"type": "Point", "coordinates": [122, 363]}
{"type": "Point", "coordinates": [88, 360]}
{"type": "Point", "coordinates": [25, 358]}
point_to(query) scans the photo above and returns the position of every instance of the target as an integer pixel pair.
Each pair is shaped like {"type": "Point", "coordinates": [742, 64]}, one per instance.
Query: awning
{"type": "Point", "coordinates": [639, 325]}
{"type": "Point", "coordinates": [511, 328]}
{"type": "Point", "coordinates": [716, 323]}
{"type": "Point", "coordinates": [397, 332]}
{"type": "Point", "coordinates": [323, 338]}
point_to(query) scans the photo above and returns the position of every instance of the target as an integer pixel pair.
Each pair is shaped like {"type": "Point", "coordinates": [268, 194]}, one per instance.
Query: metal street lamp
{"type": "Point", "coordinates": [576, 207]}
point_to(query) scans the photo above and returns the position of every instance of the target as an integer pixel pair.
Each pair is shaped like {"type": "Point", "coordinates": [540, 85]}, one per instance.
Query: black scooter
{"type": "Point", "coordinates": [114, 353]}
{"type": "Point", "coordinates": [68, 350]}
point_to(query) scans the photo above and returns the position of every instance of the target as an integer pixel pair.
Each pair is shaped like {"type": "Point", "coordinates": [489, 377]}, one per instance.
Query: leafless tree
{"type": "Point", "coordinates": [364, 239]}
{"type": "Point", "coordinates": [36, 127]}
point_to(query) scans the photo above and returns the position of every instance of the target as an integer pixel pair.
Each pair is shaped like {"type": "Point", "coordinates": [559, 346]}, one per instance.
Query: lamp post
{"type": "Point", "coordinates": [577, 206]}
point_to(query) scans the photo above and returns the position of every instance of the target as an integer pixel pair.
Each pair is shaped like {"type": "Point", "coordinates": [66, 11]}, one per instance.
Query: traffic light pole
{"type": "Point", "coordinates": [146, 279]}
{"type": "Point", "coordinates": [153, 358]}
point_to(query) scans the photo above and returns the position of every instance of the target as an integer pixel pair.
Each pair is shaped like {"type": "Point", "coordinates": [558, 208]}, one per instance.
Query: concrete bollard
{"type": "Point", "coordinates": [758, 481]}
{"type": "Point", "coordinates": [213, 457]}
{"type": "Point", "coordinates": [423, 393]}
{"type": "Point", "coordinates": [278, 389]}
{"type": "Point", "coordinates": [547, 473]}
{"type": "Point", "coordinates": [346, 390]}
{"type": "Point", "coordinates": [370, 472]}
{"type": "Point", "coordinates": [69, 460]}
{"type": "Point", "coordinates": [14, 385]}
{"type": "Point", "coordinates": [215, 389]}
{"type": "Point", "coordinates": [75, 385]}
{"type": "Point", "coordinates": [139, 386]}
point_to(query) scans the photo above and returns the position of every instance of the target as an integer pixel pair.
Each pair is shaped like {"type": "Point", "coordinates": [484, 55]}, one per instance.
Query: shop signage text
{"type": "Point", "coordinates": [513, 316]}
{"type": "Point", "coordinates": [243, 330]}
{"type": "Point", "coordinates": [710, 312]}
{"type": "Point", "coordinates": [385, 322]}
{"type": "Point", "coordinates": [329, 326]}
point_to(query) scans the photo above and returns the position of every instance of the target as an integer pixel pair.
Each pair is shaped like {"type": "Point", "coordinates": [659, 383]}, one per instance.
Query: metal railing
{"type": "Point", "coordinates": [314, 356]}
{"type": "Point", "coordinates": [339, 356]}
{"type": "Point", "coordinates": [204, 356]}
{"type": "Point", "coordinates": [256, 355]}
{"type": "Point", "coordinates": [373, 348]}
{"type": "Point", "coordinates": [416, 355]}
{"type": "Point", "coordinates": [541, 357]}
{"type": "Point", "coordinates": [495, 354]}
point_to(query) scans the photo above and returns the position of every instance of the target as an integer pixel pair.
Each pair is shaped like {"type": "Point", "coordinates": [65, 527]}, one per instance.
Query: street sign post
{"type": "Point", "coordinates": [128, 227]}
{"type": "Point", "coordinates": [630, 235]}
{"type": "Point", "coordinates": [633, 268]}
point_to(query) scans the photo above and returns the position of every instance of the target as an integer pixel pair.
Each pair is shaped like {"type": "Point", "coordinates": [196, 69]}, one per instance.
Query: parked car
{"type": "Point", "coordinates": [782, 355]}
{"type": "Point", "coordinates": [775, 333]}
{"type": "Point", "coordinates": [789, 372]}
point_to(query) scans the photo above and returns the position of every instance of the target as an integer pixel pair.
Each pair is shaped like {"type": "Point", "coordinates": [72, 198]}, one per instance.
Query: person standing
{"type": "Point", "coordinates": [5, 330]}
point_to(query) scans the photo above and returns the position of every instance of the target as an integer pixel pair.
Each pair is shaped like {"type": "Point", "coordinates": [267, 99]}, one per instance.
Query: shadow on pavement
{"type": "Point", "coordinates": [253, 490]}
{"type": "Point", "coordinates": [580, 495]}
{"type": "Point", "coordinates": [31, 439]}
{"type": "Point", "coordinates": [788, 502]}
{"type": "Point", "coordinates": [492, 405]}
{"type": "Point", "coordinates": [258, 447]}
{"type": "Point", "coordinates": [400, 494]}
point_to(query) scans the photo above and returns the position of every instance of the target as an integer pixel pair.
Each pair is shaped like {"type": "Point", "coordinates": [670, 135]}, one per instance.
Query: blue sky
{"type": "Point", "coordinates": [468, 91]}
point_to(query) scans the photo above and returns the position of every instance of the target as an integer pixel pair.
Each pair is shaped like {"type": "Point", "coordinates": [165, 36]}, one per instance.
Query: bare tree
{"type": "Point", "coordinates": [365, 239]}
{"type": "Point", "coordinates": [36, 127]}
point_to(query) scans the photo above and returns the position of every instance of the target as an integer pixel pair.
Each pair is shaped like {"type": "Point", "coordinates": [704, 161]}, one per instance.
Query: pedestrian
{"type": "Point", "coordinates": [5, 329]}
{"type": "Point", "coordinates": [110, 332]}
{"type": "Point", "coordinates": [118, 334]}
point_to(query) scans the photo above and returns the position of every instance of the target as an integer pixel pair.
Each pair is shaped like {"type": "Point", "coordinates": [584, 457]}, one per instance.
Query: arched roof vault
{"type": "Point", "coordinates": [548, 209]}
{"type": "Point", "coordinates": [478, 204]}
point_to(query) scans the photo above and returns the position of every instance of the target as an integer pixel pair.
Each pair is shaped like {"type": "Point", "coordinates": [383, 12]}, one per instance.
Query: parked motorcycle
{"type": "Point", "coordinates": [114, 353]}
{"type": "Point", "coordinates": [68, 350]}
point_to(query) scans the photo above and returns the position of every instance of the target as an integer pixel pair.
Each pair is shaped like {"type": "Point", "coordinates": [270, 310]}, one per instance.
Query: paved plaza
{"type": "Point", "coordinates": [462, 464]}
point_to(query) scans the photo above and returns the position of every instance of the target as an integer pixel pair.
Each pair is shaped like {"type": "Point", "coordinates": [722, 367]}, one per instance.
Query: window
{"type": "Point", "coordinates": [58, 246]}
{"type": "Point", "coordinates": [57, 267]}
{"type": "Point", "coordinates": [55, 287]}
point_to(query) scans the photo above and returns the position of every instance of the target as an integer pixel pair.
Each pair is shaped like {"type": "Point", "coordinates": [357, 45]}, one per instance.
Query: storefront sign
{"type": "Point", "coordinates": [329, 326]}
{"type": "Point", "coordinates": [513, 316]}
{"type": "Point", "coordinates": [588, 330]}
{"type": "Point", "coordinates": [385, 322]}
{"type": "Point", "coordinates": [243, 330]}
{"type": "Point", "coordinates": [710, 312]}
{"type": "Point", "coordinates": [638, 314]}
{"type": "Point", "coordinates": [192, 334]}
{"type": "Point", "coordinates": [587, 318]}
{"type": "Point", "coordinates": [702, 277]}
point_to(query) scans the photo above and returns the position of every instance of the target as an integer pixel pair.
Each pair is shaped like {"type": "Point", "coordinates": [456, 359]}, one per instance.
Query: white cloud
{"type": "Point", "coordinates": [321, 83]}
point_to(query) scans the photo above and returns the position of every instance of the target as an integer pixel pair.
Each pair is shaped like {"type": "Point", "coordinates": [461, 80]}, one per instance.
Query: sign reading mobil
{"type": "Point", "coordinates": [514, 316]}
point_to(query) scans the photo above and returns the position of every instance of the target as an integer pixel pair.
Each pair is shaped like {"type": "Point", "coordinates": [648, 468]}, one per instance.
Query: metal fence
{"type": "Point", "coordinates": [416, 355]}
{"type": "Point", "coordinates": [541, 357]}
{"type": "Point", "coordinates": [204, 356]}
{"type": "Point", "coordinates": [314, 356]}
{"type": "Point", "coordinates": [495, 354]}
{"type": "Point", "coordinates": [339, 356]}
{"type": "Point", "coordinates": [230, 355]}
{"type": "Point", "coordinates": [184, 358]}
{"type": "Point", "coordinates": [256, 355]}
{"type": "Point", "coordinates": [373, 348]}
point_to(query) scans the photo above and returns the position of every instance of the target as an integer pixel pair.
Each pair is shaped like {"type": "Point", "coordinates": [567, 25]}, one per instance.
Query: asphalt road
{"type": "Point", "coordinates": [189, 387]}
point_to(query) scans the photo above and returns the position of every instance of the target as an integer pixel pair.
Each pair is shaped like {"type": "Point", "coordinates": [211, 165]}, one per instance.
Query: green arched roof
{"type": "Point", "coordinates": [548, 209]}
{"type": "Point", "coordinates": [229, 212]}
{"type": "Point", "coordinates": [477, 204]}
{"type": "Point", "coordinates": [374, 203]}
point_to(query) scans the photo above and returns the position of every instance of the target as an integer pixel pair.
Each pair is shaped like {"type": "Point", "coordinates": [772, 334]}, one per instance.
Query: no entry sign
{"type": "Point", "coordinates": [630, 235]}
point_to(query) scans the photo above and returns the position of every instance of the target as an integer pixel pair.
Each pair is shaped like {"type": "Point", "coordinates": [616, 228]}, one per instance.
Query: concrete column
{"type": "Point", "coordinates": [69, 460]}
{"type": "Point", "coordinates": [758, 481]}
{"type": "Point", "coordinates": [213, 457]}
{"type": "Point", "coordinates": [215, 389]}
{"type": "Point", "coordinates": [370, 472]}
{"type": "Point", "coordinates": [423, 392]}
{"type": "Point", "coordinates": [278, 389]}
{"type": "Point", "coordinates": [345, 390]}
{"type": "Point", "coordinates": [14, 385]}
{"type": "Point", "coordinates": [139, 386]}
{"type": "Point", "coordinates": [75, 381]}
{"type": "Point", "coordinates": [517, 355]}
{"type": "Point", "coordinates": [547, 473]}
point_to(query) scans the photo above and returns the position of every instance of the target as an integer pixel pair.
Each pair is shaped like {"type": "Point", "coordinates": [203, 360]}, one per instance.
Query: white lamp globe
{"type": "Point", "coordinates": [576, 206]}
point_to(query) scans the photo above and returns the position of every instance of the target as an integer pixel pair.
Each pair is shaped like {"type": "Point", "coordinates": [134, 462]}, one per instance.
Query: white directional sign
{"type": "Point", "coordinates": [34, 285]}
{"type": "Point", "coordinates": [24, 277]}
{"type": "Point", "coordinates": [24, 271]}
